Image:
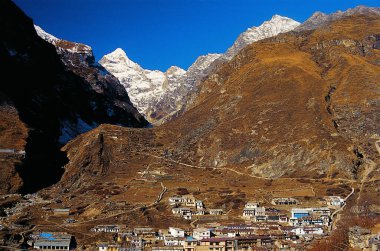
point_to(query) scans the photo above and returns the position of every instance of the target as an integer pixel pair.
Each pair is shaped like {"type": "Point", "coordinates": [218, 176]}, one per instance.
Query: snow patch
{"type": "Point", "coordinates": [71, 129]}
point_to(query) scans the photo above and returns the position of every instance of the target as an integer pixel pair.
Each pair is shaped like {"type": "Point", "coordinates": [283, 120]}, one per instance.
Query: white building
{"type": "Point", "coordinates": [173, 241]}
{"type": "Point", "coordinates": [199, 204]}
{"type": "Point", "coordinates": [106, 247]}
{"type": "Point", "coordinates": [201, 233]}
{"type": "Point", "coordinates": [308, 231]}
{"type": "Point", "coordinates": [260, 211]}
{"type": "Point", "coordinates": [249, 212]}
{"type": "Point", "coordinates": [335, 201]}
{"type": "Point", "coordinates": [57, 241]}
{"type": "Point", "coordinates": [176, 200]}
{"type": "Point", "coordinates": [252, 205]}
{"type": "Point", "coordinates": [187, 216]}
{"type": "Point", "coordinates": [216, 211]}
{"type": "Point", "coordinates": [106, 228]}
{"type": "Point", "coordinates": [199, 212]}
{"type": "Point", "coordinates": [176, 232]}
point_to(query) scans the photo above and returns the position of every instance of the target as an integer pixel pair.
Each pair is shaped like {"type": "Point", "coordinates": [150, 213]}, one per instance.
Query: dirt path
{"type": "Point", "coordinates": [364, 180]}
{"type": "Point", "coordinates": [344, 203]}
{"type": "Point", "coordinates": [236, 171]}
{"type": "Point", "coordinates": [161, 194]}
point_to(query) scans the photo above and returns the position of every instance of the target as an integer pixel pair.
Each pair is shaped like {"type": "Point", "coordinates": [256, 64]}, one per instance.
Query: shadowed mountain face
{"type": "Point", "coordinates": [302, 104]}
{"type": "Point", "coordinates": [51, 103]}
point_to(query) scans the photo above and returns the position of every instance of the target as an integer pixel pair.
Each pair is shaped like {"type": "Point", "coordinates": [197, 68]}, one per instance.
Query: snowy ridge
{"type": "Point", "coordinates": [45, 36]}
{"type": "Point", "coordinates": [273, 27]}
{"type": "Point", "coordinates": [63, 45]}
{"type": "Point", "coordinates": [159, 94]}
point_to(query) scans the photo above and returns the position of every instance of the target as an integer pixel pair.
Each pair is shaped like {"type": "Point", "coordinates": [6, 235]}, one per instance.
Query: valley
{"type": "Point", "coordinates": [270, 146]}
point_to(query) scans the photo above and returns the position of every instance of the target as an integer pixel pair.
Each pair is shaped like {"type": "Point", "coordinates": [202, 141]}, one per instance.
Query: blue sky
{"type": "Point", "coordinates": [160, 33]}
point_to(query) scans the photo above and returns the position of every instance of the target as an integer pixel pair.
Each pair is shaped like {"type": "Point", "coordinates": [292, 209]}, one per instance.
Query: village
{"type": "Point", "coordinates": [264, 228]}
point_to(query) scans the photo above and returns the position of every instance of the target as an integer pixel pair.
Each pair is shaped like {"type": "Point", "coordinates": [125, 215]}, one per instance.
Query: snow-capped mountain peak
{"type": "Point", "coordinates": [278, 24]}
{"type": "Point", "coordinates": [159, 95]}
{"type": "Point", "coordinates": [174, 71]}
{"type": "Point", "coordinates": [119, 56]}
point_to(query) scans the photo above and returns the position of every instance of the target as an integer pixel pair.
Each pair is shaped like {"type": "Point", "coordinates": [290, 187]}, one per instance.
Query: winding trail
{"type": "Point", "coordinates": [344, 203]}
{"type": "Point", "coordinates": [161, 194]}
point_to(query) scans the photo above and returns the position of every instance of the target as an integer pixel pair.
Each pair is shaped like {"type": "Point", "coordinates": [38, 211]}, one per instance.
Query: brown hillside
{"type": "Point", "coordinates": [298, 105]}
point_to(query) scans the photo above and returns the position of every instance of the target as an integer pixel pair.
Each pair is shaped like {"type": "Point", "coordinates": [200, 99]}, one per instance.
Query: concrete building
{"type": "Point", "coordinates": [216, 211]}
{"type": "Point", "coordinates": [106, 228]}
{"type": "Point", "coordinates": [300, 212]}
{"type": "Point", "coordinates": [260, 211]}
{"type": "Point", "coordinates": [199, 204]}
{"type": "Point", "coordinates": [252, 204]}
{"type": "Point", "coordinates": [53, 241]}
{"type": "Point", "coordinates": [173, 241]}
{"type": "Point", "coordinates": [334, 201]}
{"type": "Point", "coordinates": [190, 244]}
{"type": "Point", "coordinates": [249, 212]}
{"type": "Point", "coordinates": [201, 233]}
{"type": "Point", "coordinates": [176, 232]}
{"type": "Point", "coordinates": [284, 201]}
{"type": "Point", "coordinates": [168, 248]}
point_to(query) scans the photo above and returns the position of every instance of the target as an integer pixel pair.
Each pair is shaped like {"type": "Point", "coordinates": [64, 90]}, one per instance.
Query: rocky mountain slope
{"type": "Point", "coordinates": [145, 87]}
{"type": "Point", "coordinates": [299, 105]}
{"type": "Point", "coordinates": [51, 102]}
{"type": "Point", "coordinates": [161, 98]}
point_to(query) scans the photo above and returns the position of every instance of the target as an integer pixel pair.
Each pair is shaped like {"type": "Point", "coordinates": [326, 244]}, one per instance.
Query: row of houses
{"type": "Point", "coordinates": [187, 213]}
{"type": "Point", "coordinates": [187, 206]}
{"type": "Point", "coordinates": [187, 201]}
{"type": "Point", "coordinates": [222, 238]}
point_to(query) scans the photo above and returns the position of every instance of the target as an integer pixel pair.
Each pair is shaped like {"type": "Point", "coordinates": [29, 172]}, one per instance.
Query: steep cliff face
{"type": "Point", "coordinates": [53, 101]}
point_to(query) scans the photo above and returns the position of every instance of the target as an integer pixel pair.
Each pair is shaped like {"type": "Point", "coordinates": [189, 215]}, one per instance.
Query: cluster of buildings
{"type": "Point", "coordinates": [244, 237]}
{"type": "Point", "coordinates": [187, 206]}
{"type": "Point", "coordinates": [254, 212]}
{"type": "Point", "coordinates": [265, 228]}
{"type": "Point", "coordinates": [316, 216]}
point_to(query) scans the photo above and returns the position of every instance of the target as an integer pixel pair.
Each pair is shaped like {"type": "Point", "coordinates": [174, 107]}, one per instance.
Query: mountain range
{"type": "Point", "coordinates": [160, 96]}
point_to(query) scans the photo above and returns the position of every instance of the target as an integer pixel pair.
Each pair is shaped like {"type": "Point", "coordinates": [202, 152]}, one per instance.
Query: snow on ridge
{"type": "Point", "coordinates": [151, 91]}
{"type": "Point", "coordinates": [61, 44]}
{"type": "Point", "coordinates": [278, 24]}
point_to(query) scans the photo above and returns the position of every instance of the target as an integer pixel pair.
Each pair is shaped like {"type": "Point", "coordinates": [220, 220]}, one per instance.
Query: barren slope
{"type": "Point", "coordinates": [298, 105]}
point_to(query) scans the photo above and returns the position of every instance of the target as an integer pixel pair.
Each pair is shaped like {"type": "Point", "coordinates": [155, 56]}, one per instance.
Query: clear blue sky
{"type": "Point", "coordinates": [160, 33]}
